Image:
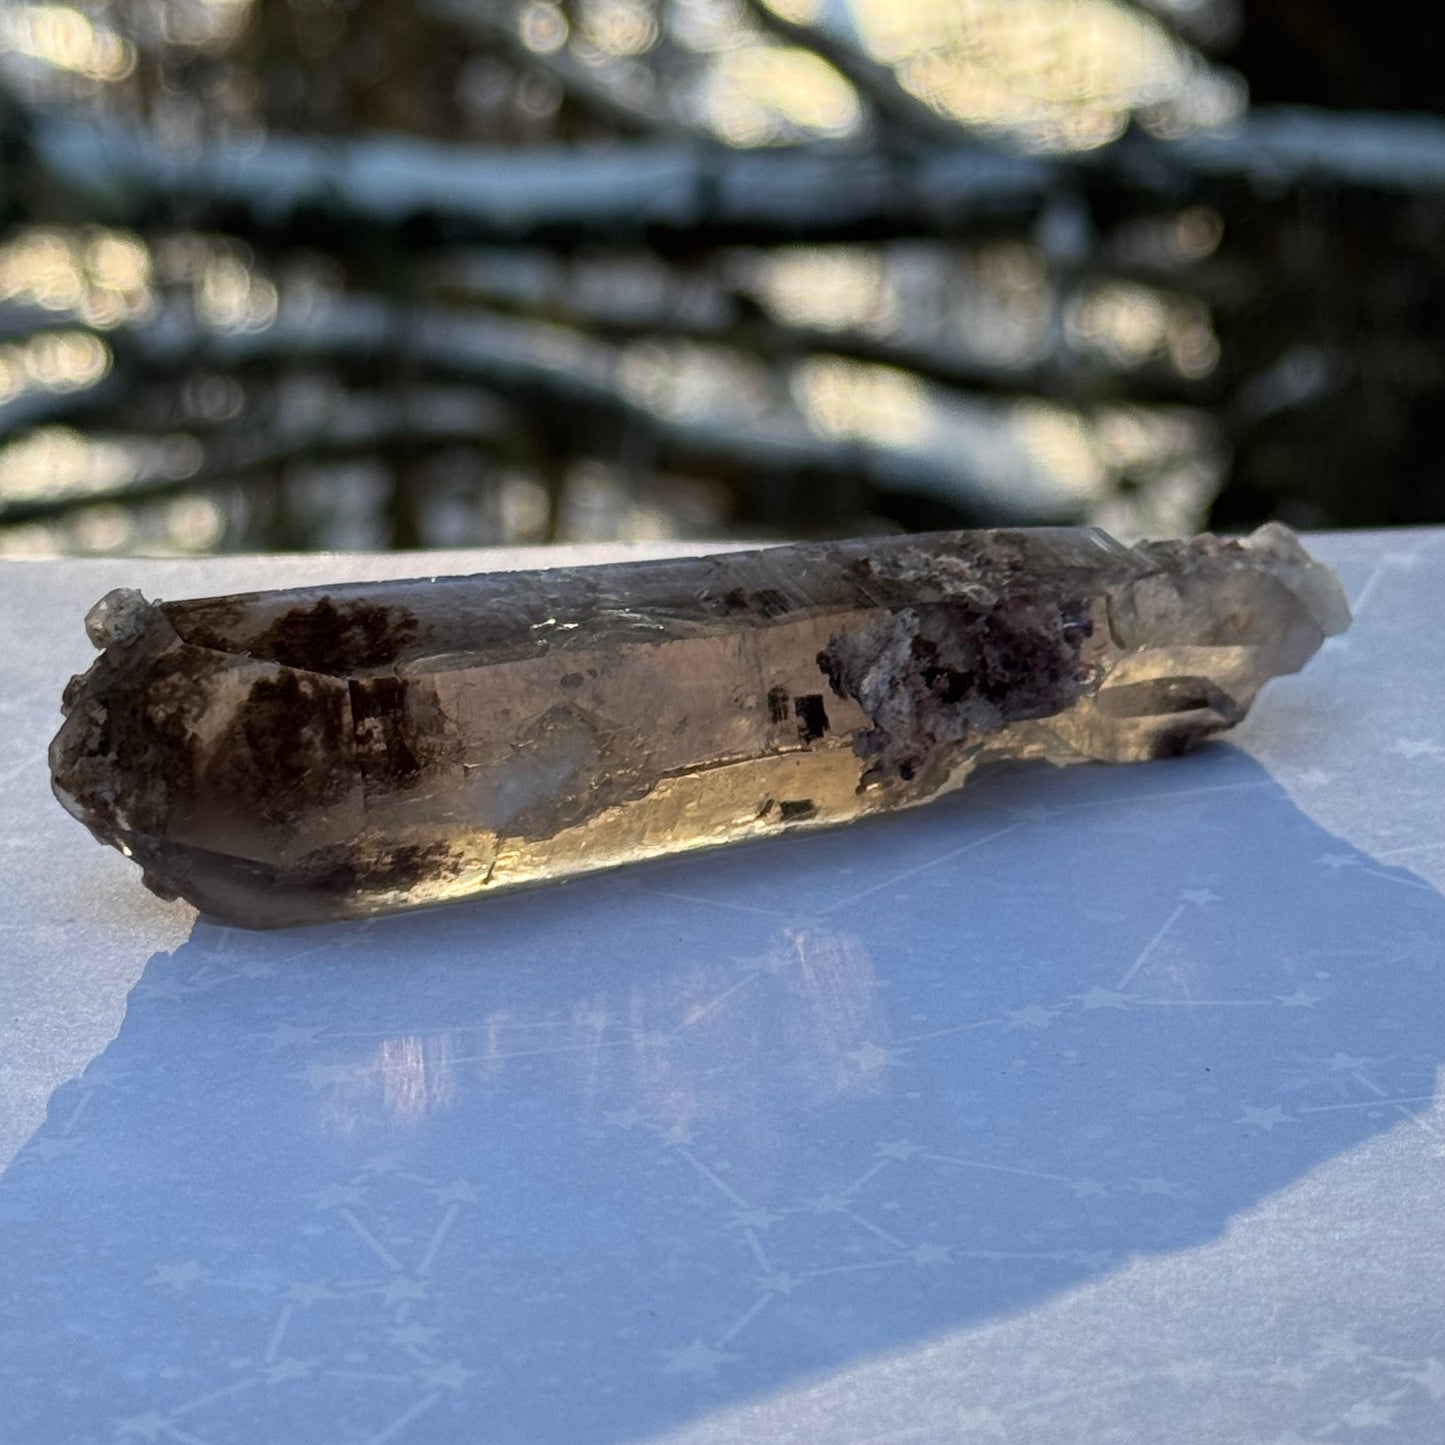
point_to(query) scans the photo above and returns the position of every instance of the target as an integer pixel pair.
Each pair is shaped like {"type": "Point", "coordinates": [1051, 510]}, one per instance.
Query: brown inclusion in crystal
{"type": "Point", "coordinates": [336, 752]}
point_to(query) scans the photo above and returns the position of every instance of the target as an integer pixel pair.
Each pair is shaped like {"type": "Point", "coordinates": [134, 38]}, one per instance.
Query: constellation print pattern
{"type": "Point", "coordinates": [1092, 1104]}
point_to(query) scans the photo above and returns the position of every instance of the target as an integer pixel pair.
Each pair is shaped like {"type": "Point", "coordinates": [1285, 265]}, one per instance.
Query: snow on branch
{"type": "Point", "coordinates": [590, 192]}
{"type": "Point", "coordinates": [574, 380]}
{"type": "Point", "coordinates": [709, 194]}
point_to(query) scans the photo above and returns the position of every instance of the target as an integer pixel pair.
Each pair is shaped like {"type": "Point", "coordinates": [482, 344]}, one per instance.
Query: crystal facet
{"type": "Point", "coordinates": [336, 752]}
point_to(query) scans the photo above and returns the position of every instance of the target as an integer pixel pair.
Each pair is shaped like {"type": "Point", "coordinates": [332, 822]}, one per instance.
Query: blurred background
{"type": "Point", "coordinates": [369, 274]}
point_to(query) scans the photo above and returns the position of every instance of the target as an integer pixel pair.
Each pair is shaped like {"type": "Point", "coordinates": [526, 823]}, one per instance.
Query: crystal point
{"type": "Point", "coordinates": [334, 752]}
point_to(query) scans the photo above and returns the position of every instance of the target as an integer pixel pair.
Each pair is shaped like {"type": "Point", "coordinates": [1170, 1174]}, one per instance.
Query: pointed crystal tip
{"type": "Point", "coordinates": [1317, 587]}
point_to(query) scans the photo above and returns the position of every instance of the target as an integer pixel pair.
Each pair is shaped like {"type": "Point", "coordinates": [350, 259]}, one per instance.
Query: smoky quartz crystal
{"type": "Point", "coordinates": [337, 752]}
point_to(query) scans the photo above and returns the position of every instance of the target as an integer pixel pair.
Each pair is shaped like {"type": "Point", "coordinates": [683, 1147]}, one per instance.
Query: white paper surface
{"type": "Point", "coordinates": [1097, 1105]}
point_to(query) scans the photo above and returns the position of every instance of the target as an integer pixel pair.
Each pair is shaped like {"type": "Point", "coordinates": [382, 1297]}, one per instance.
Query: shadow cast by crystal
{"type": "Point", "coordinates": [592, 1161]}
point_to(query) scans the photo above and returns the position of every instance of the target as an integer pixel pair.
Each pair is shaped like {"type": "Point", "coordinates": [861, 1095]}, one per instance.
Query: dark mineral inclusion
{"type": "Point", "coordinates": [336, 752]}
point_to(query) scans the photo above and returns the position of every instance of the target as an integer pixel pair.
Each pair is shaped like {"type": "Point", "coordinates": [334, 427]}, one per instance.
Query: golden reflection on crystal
{"type": "Point", "coordinates": [682, 814]}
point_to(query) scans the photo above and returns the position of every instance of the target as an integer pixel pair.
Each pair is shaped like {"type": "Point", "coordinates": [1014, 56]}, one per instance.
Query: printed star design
{"type": "Point", "coordinates": [1341, 1347]}
{"type": "Point", "coordinates": [148, 1426]}
{"type": "Point", "coordinates": [755, 1218]}
{"type": "Point", "coordinates": [901, 1149]}
{"type": "Point", "coordinates": [401, 1288]}
{"type": "Point", "coordinates": [413, 1336]}
{"type": "Point", "coordinates": [1032, 813]}
{"type": "Point", "coordinates": [451, 1376]}
{"type": "Point", "coordinates": [1035, 1016]}
{"type": "Point", "coordinates": [1297, 1377]}
{"type": "Point", "coordinates": [286, 1036]}
{"type": "Point", "coordinates": [696, 1359]}
{"type": "Point", "coordinates": [179, 1276]}
{"type": "Point", "coordinates": [382, 1164]}
{"type": "Point", "coordinates": [1431, 1378]}
{"type": "Point", "coordinates": [774, 961]}
{"type": "Point", "coordinates": [1298, 999]}
{"type": "Point", "coordinates": [1086, 1188]}
{"type": "Point", "coordinates": [1342, 1061]}
{"type": "Point", "coordinates": [307, 1292]}
{"type": "Point", "coordinates": [1158, 1185]}
{"type": "Point", "coordinates": [1364, 1413]}
{"type": "Point", "coordinates": [930, 1254]}
{"type": "Point", "coordinates": [871, 1058]}
{"type": "Point", "coordinates": [1415, 748]}
{"type": "Point", "coordinates": [1266, 1119]}
{"type": "Point", "coordinates": [1105, 998]}
{"type": "Point", "coordinates": [830, 1204]}
{"type": "Point", "coordinates": [338, 1196]}
{"type": "Point", "coordinates": [801, 926]}
{"type": "Point", "coordinates": [780, 1283]}
{"type": "Point", "coordinates": [284, 1370]}
{"type": "Point", "coordinates": [460, 1191]}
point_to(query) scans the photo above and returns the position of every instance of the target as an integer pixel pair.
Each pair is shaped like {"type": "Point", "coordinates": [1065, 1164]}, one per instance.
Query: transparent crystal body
{"type": "Point", "coordinates": [337, 752]}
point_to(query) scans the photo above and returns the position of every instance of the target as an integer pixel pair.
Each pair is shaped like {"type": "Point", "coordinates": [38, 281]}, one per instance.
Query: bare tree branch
{"type": "Point", "coordinates": [1209, 24]}
{"type": "Point", "coordinates": [242, 451]}
{"type": "Point", "coordinates": [567, 194]}
{"type": "Point", "coordinates": [572, 380]}
{"type": "Point", "coordinates": [497, 31]}
{"type": "Point", "coordinates": [287, 185]}
{"type": "Point", "coordinates": [43, 407]}
{"type": "Point", "coordinates": [733, 317]}
{"type": "Point", "coordinates": [892, 105]}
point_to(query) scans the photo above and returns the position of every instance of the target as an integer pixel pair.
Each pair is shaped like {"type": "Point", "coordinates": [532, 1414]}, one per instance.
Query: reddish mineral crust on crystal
{"type": "Point", "coordinates": [338, 752]}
